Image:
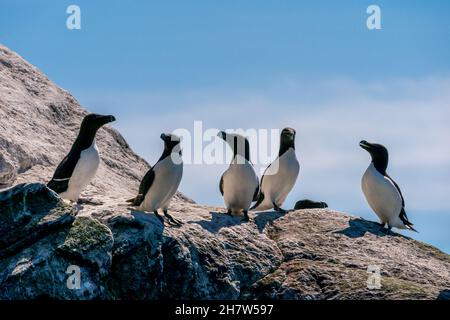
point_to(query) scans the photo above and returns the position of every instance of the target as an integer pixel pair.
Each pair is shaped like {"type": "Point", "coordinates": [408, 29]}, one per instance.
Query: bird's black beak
{"type": "Point", "coordinates": [165, 137]}
{"type": "Point", "coordinates": [170, 139]}
{"type": "Point", "coordinates": [292, 136]}
{"type": "Point", "coordinates": [107, 119]}
{"type": "Point", "coordinates": [365, 145]}
{"type": "Point", "coordinates": [222, 135]}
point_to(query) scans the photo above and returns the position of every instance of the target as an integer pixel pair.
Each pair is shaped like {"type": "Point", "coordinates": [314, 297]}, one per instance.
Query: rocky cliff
{"type": "Point", "coordinates": [125, 254]}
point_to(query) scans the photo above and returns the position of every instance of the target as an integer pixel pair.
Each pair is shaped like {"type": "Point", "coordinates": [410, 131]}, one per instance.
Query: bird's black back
{"type": "Point", "coordinates": [63, 173]}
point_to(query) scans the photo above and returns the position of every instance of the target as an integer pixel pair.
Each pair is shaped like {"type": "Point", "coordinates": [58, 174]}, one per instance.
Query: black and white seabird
{"type": "Point", "coordinates": [280, 176]}
{"type": "Point", "coordinates": [161, 182]}
{"type": "Point", "coordinates": [381, 191]}
{"type": "Point", "coordinates": [239, 183]}
{"type": "Point", "coordinates": [79, 166]}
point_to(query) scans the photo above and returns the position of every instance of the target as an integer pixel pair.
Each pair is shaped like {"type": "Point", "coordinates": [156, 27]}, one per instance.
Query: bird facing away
{"type": "Point", "coordinates": [239, 184]}
{"type": "Point", "coordinates": [381, 191]}
{"type": "Point", "coordinates": [280, 176]}
{"type": "Point", "coordinates": [161, 182]}
{"type": "Point", "coordinates": [79, 166]}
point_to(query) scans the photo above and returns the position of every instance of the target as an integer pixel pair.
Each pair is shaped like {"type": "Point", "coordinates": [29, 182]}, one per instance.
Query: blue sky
{"type": "Point", "coordinates": [312, 65]}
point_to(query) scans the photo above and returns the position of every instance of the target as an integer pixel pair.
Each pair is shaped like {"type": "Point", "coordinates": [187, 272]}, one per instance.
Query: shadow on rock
{"type": "Point", "coordinates": [358, 227]}
{"type": "Point", "coordinates": [145, 217]}
{"type": "Point", "coordinates": [218, 221]}
{"type": "Point", "coordinates": [221, 220]}
{"type": "Point", "coordinates": [263, 218]}
{"type": "Point", "coordinates": [444, 295]}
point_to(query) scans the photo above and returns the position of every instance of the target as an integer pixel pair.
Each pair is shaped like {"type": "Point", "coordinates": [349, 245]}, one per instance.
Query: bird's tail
{"type": "Point", "coordinates": [410, 227]}
{"type": "Point", "coordinates": [406, 222]}
{"type": "Point", "coordinates": [258, 201]}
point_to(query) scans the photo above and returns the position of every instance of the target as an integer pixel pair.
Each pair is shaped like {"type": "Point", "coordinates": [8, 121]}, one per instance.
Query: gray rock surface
{"type": "Point", "coordinates": [29, 212]}
{"type": "Point", "coordinates": [125, 254]}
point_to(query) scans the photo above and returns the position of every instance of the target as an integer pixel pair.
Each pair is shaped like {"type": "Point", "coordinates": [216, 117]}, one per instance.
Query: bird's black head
{"type": "Point", "coordinates": [170, 141]}
{"type": "Point", "coordinates": [92, 122]}
{"type": "Point", "coordinates": [287, 140]}
{"type": "Point", "coordinates": [379, 154]}
{"type": "Point", "coordinates": [222, 135]}
{"type": "Point", "coordinates": [89, 127]}
{"type": "Point", "coordinates": [237, 142]}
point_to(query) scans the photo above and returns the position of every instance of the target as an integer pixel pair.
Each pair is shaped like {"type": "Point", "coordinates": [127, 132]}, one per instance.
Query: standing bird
{"type": "Point", "coordinates": [161, 182]}
{"type": "Point", "coordinates": [239, 184]}
{"type": "Point", "coordinates": [381, 191]}
{"type": "Point", "coordinates": [280, 176]}
{"type": "Point", "coordinates": [79, 166]}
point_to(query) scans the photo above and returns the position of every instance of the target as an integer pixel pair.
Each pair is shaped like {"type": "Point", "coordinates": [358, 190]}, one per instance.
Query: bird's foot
{"type": "Point", "coordinates": [159, 217]}
{"type": "Point", "coordinates": [173, 221]}
{"type": "Point", "coordinates": [279, 209]}
{"type": "Point", "coordinates": [385, 230]}
{"type": "Point", "coordinates": [246, 217]}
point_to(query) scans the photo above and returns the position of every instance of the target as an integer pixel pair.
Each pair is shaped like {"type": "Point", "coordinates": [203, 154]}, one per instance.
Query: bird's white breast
{"type": "Point", "coordinates": [168, 176]}
{"type": "Point", "coordinates": [279, 179]}
{"type": "Point", "coordinates": [83, 173]}
{"type": "Point", "coordinates": [381, 194]}
{"type": "Point", "coordinates": [239, 185]}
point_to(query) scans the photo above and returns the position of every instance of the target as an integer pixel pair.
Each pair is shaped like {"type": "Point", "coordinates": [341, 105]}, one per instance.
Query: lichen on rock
{"type": "Point", "coordinates": [91, 242]}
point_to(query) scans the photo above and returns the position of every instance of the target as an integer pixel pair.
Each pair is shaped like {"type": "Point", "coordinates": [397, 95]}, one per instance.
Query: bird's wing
{"type": "Point", "coordinates": [61, 177]}
{"type": "Point", "coordinates": [259, 200]}
{"type": "Point", "coordinates": [259, 195]}
{"type": "Point", "coordinates": [221, 185]}
{"type": "Point", "coordinates": [145, 185]}
{"type": "Point", "coordinates": [256, 194]}
{"type": "Point", "coordinates": [402, 215]}
{"type": "Point", "coordinates": [398, 189]}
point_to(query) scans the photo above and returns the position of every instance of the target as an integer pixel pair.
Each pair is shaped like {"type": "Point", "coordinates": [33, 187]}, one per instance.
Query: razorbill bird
{"type": "Point", "coordinates": [381, 191]}
{"type": "Point", "coordinates": [239, 184]}
{"type": "Point", "coordinates": [161, 182]}
{"type": "Point", "coordinates": [79, 166]}
{"type": "Point", "coordinates": [280, 176]}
